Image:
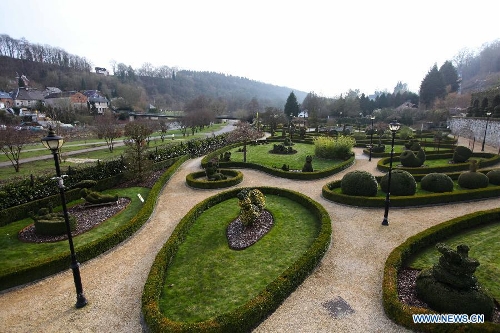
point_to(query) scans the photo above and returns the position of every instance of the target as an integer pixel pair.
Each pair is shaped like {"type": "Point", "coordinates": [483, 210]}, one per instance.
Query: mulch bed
{"type": "Point", "coordinates": [240, 237]}
{"type": "Point", "coordinates": [86, 219]}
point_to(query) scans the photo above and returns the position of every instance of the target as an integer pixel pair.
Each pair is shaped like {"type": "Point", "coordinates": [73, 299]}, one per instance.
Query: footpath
{"type": "Point", "coordinates": [348, 277]}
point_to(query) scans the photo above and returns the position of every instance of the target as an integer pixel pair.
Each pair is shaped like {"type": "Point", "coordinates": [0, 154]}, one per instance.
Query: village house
{"type": "Point", "coordinates": [67, 99]}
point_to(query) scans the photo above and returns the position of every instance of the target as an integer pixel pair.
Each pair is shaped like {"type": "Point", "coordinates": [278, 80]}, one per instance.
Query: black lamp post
{"type": "Point", "coordinates": [394, 127]}
{"type": "Point", "coordinates": [371, 138]}
{"type": "Point", "coordinates": [290, 126]}
{"type": "Point", "coordinates": [54, 142]}
{"type": "Point", "coordinates": [488, 114]}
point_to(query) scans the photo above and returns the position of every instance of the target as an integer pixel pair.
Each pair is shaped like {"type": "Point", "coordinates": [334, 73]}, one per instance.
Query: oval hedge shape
{"type": "Point", "coordinates": [199, 180]}
{"type": "Point", "coordinates": [244, 317]}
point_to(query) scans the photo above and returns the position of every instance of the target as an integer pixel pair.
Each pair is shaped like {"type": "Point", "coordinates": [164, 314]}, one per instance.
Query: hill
{"type": "Point", "coordinates": [138, 92]}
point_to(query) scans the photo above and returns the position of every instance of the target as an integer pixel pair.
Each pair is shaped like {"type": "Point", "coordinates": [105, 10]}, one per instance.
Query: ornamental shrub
{"type": "Point", "coordinates": [402, 183]}
{"type": "Point", "coordinates": [334, 148]}
{"type": "Point", "coordinates": [473, 180]}
{"type": "Point", "coordinates": [410, 160]}
{"type": "Point", "coordinates": [437, 182]}
{"type": "Point", "coordinates": [461, 154]}
{"type": "Point", "coordinates": [360, 183]}
{"type": "Point", "coordinates": [494, 176]}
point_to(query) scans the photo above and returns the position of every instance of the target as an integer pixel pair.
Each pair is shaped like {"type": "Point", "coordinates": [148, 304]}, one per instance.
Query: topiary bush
{"type": "Point", "coordinates": [50, 224]}
{"type": "Point", "coordinates": [473, 180]}
{"type": "Point", "coordinates": [94, 198]}
{"type": "Point", "coordinates": [410, 160]}
{"type": "Point", "coordinates": [437, 182]}
{"type": "Point", "coordinates": [360, 183]}
{"type": "Point", "coordinates": [461, 154]}
{"type": "Point", "coordinates": [402, 183]}
{"type": "Point", "coordinates": [494, 176]}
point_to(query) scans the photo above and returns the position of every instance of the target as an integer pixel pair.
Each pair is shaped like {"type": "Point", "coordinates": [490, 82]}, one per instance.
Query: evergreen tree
{"type": "Point", "coordinates": [450, 75]}
{"type": "Point", "coordinates": [432, 87]}
{"type": "Point", "coordinates": [291, 106]}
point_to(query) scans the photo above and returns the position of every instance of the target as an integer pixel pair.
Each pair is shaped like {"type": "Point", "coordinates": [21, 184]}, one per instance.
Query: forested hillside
{"type": "Point", "coordinates": [138, 92]}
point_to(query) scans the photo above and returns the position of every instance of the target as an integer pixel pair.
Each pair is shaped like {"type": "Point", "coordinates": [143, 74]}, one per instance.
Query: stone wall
{"type": "Point", "coordinates": [474, 128]}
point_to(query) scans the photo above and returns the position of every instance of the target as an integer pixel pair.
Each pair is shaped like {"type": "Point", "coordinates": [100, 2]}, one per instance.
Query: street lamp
{"type": "Point", "coordinates": [371, 138]}
{"type": "Point", "coordinates": [290, 126]}
{"type": "Point", "coordinates": [488, 114]}
{"type": "Point", "coordinates": [394, 127]}
{"type": "Point", "coordinates": [54, 142]}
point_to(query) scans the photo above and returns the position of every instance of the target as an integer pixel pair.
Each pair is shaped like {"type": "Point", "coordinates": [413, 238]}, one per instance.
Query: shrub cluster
{"type": "Point", "coordinates": [333, 148]}
{"type": "Point", "coordinates": [48, 222]}
{"type": "Point", "coordinates": [402, 183]}
{"type": "Point", "coordinates": [437, 182]}
{"type": "Point", "coordinates": [360, 183]}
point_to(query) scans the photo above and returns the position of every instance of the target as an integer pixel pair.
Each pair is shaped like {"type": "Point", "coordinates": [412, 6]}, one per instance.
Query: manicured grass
{"type": "Point", "coordinates": [484, 246]}
{"type": "Point", "coordinates": [16, 254]}
{"type": "Point", "coordinates": [260, 154]}
{"type": "Point", "coordinates": [206, 278]}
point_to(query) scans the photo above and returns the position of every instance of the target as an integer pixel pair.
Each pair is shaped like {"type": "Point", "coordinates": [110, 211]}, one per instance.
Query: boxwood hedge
{"type": "Point", "coordinates": [249, 315]}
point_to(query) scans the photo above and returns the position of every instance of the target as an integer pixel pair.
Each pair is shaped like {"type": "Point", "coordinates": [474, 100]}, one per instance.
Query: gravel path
{"type": "Point", "coordinates": [349, 277]}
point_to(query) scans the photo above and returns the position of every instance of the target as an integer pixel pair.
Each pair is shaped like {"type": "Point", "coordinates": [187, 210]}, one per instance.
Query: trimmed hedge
{"type": "Point", "coordinates": [437, 182]}
{"type": "Point", "coordinates": [274, 171]}
{"type": "Point", "coordinates": [199, 179]}
{"type": "Point", "coordinates": [402, 313]}
{"type": "Point", "coordinates": [249, 315]}
{"type": "Point", "coordinates": [406, 201]}
{"type": "Point", "coordinates": [359, 182]}
{"type": "Point", "coordinates": [489, 160]}
{"type": "Point", "coordinates": [90, 250]}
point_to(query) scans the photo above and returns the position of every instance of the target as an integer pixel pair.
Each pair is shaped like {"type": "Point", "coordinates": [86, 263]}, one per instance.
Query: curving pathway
{"type": "Point", "coordinates": [351, 270]}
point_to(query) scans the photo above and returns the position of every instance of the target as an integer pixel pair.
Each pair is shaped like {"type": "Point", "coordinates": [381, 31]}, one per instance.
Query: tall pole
{"type": "Point", "coordinates": [387, 197]}
{"type": "Point", "coordinates": [371, 139]}
{"type": "Point", "coordinates": [485, 129]}
{"type": "Point", "coordinates": [81, 301]}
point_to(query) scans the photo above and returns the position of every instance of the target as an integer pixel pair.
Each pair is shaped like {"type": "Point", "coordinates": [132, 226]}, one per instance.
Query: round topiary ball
{"type": "Point", "coordinates": [358, 182]}
{"type": "Point", "coordinates": [437, 182]}
{"type": "Point", "coordinates": [402, 183]}
{"type": "Point", "coordinates": [472, 180]}
{"type": "Point", "coordinates": [494, 176]}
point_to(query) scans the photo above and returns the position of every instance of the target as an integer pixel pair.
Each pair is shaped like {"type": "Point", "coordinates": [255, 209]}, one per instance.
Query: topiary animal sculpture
{"type": "Point", "coordinates": [308, 165]}
{"type": "Point", "coordinates": [49, 223]}
{"type": "Point", "coordinates": [252, 203]}
{"type": "Point", "coordinates": [402, 183]}
{"type": "Point", "coordinates": [94, 198]}
{"type": "Point", "coordinates": [461, 154]}
{"type": "Point", "coordinates": [410, 160]}
{"type": "Point", "coordinates": [450, 285]}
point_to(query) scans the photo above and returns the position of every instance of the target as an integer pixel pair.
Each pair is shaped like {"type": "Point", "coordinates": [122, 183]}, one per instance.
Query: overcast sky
{"type": "Point", "coordinates": [323, 46]}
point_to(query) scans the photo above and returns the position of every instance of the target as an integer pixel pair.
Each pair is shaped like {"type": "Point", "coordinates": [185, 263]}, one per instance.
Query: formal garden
{"type": "Point", "coordinates": [233, 241]}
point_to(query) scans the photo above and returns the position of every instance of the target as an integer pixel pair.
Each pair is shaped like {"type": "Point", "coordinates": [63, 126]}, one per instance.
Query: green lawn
{"type": "Point", "coordinates": [260, 154]}
{"type": "Point", "coordinates": [484, 245]}
{"type": "Point", "coordinates": [16, 254]}
{"type": "Point", "coordinates": [207, 278]}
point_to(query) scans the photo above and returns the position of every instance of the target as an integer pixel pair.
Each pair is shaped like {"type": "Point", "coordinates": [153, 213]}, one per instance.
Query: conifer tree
{"type": "Point", "coordinates": [432, 87]}
{"type": "Point", "coordinates": [291, 106]}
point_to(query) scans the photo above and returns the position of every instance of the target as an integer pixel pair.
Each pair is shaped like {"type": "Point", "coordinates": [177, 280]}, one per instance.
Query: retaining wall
{"type": "Point", "coordinates": [474, 128]}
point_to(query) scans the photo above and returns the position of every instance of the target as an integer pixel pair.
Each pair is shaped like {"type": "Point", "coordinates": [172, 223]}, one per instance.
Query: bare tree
{"type": "Point", "coordinates": [106, 128]}
{"type": "Point", "coordinates": [244, 132]}
{"type": "Point", "coordinates": [12, 141]}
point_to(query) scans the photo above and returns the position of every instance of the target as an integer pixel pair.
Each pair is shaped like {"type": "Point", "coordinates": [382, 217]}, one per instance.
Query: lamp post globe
{"type": "Point", "coordinates": [394, 126]}
{"type": "Point", "coordinates": [488, 114]}
{"type": "Point", "coordinates": [54, 142]}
